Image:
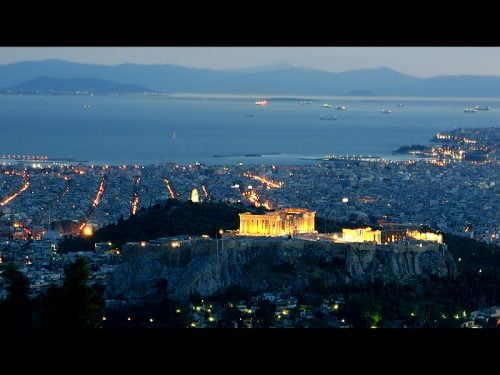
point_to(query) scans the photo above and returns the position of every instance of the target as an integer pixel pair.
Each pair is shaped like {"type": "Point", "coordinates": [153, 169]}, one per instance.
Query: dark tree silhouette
{"type": "Point", "coordinates": [265, 313]}
{"type": "Point", "coordinates": [75, 305]}
{"type": "Point", "coordinates": [16, 309]}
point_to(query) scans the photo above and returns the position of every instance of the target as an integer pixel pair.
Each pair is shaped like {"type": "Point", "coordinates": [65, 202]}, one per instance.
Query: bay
{"type": "Point", "coordinates": [224, 129]}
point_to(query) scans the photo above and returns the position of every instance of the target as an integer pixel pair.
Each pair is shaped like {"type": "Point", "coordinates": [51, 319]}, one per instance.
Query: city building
{"type": "Point", "coordinates": [425, 236]}
{"type": "Point", "coordinates": [288, 221]}
{"type": "Point", "coordinates": [195, 198]}
{"type": "Point", "coordinates": [361, 235]}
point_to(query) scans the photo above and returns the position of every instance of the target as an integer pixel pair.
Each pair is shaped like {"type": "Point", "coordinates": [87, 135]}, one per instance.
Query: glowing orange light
{"type": "Point", "coordinates": [171, 193]}
{"type": "Point", "coordinates": [266, 182]}
{"type": "Point", "coordinates": [87, 231]}
{"type": "Point", "coordinates": [135, 204]}
{"type": "Point", "coordinates": [24, 187]}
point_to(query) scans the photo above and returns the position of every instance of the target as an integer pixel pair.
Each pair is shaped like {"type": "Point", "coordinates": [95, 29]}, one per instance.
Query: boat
{"type": "Point", "coordinates": [327, 117]}
{"type": "Point", "coordinates": [306, 102]}
{"type": "Point", "coordinates": [478, 108]}
{"type": "Point", "coordinates": [400, 105]}
{"type": "Point", "coordinates": [341, 108]}
{"type": "Point", "coordinates": [87, 106]}
{"type": "Point", "coordinates": [386, 111]}
{"type": "Point", "coordinates": [326, 105]}
{"type": "Point", "coordinates": [261, 102]}
{"type": "Point", "coordinates": [470, 110]}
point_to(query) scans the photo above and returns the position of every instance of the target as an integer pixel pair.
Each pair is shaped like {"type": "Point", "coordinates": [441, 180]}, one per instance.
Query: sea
{"type": "Point", "coordinates": [225, 129]}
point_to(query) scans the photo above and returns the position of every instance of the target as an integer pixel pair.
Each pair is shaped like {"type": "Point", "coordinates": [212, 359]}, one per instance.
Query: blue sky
{"type": "Point", "coordinates": [416, 61]}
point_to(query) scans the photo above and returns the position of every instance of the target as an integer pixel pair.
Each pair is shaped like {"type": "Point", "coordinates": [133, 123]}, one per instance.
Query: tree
{"type": "Point", "coordinates": [16, 309]}
{"type": "Point", "coordinates": [265, 313]}
{"type": "Point", "coordinates": [75, 305]}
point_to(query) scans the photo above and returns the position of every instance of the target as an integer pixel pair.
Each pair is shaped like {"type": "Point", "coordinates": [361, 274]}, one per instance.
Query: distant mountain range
{"type": "Point", "coordinates": [49, 85]}
{"type": "Point", "coordinates": [281, 80]}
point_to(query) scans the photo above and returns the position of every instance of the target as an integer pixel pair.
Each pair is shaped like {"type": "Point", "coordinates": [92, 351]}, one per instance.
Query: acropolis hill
{"type": "Point", "coordinates": [199, 265]}
{"type": "Point", "coordinates": [272, 241]}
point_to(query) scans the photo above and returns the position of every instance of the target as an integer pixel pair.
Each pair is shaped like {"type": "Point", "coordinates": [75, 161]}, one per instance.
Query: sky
{"type": "Point", "coordinates": [415, 61]}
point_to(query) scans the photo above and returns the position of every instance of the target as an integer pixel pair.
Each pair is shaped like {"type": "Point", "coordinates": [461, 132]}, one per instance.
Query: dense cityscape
{"type": "Point", "coordinates": [44, 200]}
{"type": "Point", "coordinates": [192, 191]}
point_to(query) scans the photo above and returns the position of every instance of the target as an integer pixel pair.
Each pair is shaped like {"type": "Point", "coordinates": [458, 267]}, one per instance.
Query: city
{"type": "Point", "coordinates": [162, 190]}
{"type": "Point", "coordinates": [41, 203]}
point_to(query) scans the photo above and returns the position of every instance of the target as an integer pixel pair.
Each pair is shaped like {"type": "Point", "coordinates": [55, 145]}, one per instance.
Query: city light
{"type": "Point", "coordinates": [134, 204]}
{"type": "Point", "coordinates": [24, 187]}
{"type": "Point", "coordinates": [171, 193]}
{"type": "Point", "coordinates": [266, 182]}
{"type": "Point", "coordinates": [87, 231]}
{"type": "Point", "coordinates": [205, 192]}
{"type": "Point", "coordinates": [100, 192]}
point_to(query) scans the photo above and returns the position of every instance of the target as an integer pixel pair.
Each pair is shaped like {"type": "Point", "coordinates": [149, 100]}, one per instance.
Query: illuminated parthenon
{"type": "Point", "coordinates": [288, 221]}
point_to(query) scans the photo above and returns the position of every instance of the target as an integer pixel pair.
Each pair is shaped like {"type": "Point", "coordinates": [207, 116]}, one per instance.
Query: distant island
{"type": "Point", "coordinates": [58, 86]}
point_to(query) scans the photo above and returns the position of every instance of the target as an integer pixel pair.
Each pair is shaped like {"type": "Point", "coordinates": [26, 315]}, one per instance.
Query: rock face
{"type": "Point", "coordinates": [269, 264]}
{"type": "Point", "coordinates": [398, 263]}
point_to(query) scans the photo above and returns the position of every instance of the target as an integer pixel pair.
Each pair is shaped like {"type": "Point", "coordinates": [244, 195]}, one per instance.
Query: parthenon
{"type": "Point", "coordinates": [288, 221]}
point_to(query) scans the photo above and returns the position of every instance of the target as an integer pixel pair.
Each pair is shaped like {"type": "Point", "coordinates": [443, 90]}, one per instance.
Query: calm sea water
{"type": "Point", "coordinates": [146, 130]}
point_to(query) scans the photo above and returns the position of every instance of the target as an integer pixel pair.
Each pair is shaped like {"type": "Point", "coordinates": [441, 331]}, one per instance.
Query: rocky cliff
{"type": "Point", "coordinates": [269, 264]}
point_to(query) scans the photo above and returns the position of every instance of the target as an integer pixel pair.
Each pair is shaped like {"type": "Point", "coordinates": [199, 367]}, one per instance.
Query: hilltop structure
{"type": "Point", "coordinates": [288, 221]}
{"type": "Point", "coordinates": [194, 196]}
{"type": "Point", "coordinates": [361, 235]}
{"type": "Point", "coordinates": [425, 236]}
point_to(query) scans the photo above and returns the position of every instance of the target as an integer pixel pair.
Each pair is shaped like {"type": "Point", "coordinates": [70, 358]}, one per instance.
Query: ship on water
{"type": "Point", "coordinates": [261, 102]}
{"type": "Point", "coordinates": [470, 110]}
{"type": "Point", "coordinates": [478, 108]}
{"type": "Point", "coordinates": [386, 111]}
